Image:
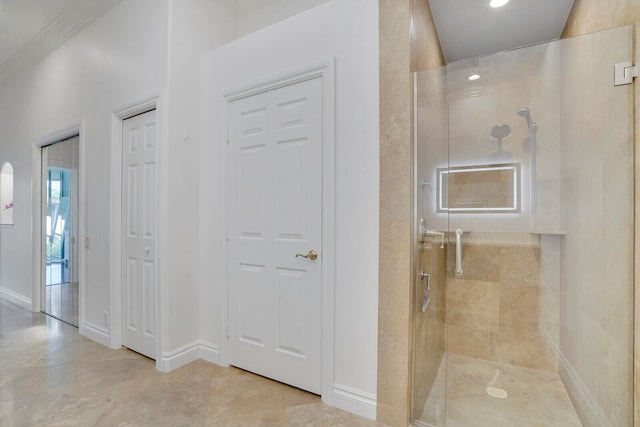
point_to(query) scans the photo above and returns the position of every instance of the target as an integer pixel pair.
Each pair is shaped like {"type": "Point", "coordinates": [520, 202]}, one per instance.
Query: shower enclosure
{"type": "Point", "coordinates": [524, 238]}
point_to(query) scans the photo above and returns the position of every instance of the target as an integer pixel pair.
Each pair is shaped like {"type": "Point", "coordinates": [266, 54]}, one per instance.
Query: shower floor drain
{"type": "Point", "coordinates": [497, 392]}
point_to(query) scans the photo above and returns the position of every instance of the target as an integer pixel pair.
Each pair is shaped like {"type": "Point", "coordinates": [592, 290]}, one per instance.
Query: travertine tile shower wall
{"type": "Point", "coordinates": [400, 53]}
{"type": "Point", "coordinates": [596, 305]}
{"type": "Point", "coordinates": [429, 324]}
{"type": "Point", "coordinates": [497, 309]}
{"type": "Point", "coordinates": [586, 17]}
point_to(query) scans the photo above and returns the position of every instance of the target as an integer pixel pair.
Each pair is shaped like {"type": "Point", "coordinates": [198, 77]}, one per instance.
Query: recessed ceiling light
{"type": "Point", "coordinates": [498, 3]}
{"type": "Point", "coordinates": [474, 76]}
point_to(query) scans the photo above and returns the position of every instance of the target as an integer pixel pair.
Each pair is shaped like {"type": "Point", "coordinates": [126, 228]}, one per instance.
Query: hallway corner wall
{"type": "Point", "coordinates": [400, 53]}
{"type": "Point", "coordinates": [195, 26]}
{"type": "Point", "coordinates": [395, 265]}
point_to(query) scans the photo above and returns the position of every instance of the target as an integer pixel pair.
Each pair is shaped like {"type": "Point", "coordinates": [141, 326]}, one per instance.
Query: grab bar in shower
{"type": "Point", "coordinates": [458, 252]}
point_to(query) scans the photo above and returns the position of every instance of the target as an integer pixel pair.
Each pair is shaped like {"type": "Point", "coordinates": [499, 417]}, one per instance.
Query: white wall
{"type": "Point", "coordinates": [196, 26]}
{"type": "Point", "coordinates": [256, 15]}
{"type": "Point", "coordinates": [119, 59]}
{"type": "Point", "coordinates": [348, 31]}
{"type": "Point", "coordinates": [140, 49]}
{"type": "Point", "coordinates": [146, 48]}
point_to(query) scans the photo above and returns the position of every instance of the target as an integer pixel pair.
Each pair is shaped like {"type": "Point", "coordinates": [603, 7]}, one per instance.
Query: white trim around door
{"type": "Point", "coordinates": [115, 318]}
{"type": "Point", "coordinates": [65, 132]}
{"type": "Point", "coordinates": [325, 70]}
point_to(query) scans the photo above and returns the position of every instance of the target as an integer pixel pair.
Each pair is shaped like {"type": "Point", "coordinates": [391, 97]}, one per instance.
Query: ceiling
{"type": "Point", "coordinates": [466, 28]}
{"type": "Point", "coordinates": [30, 29]}
{"type": "Point", "coordinates": [471, 28]}
{"type": "Point", "coordinates": [23, 20]}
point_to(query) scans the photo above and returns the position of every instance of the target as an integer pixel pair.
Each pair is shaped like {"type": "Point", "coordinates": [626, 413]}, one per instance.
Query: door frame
{"type": "Point", "coordinates": [324, 70]}
{"type": "Point", "coordinates": [65, 132]}
{"type": "Point", "coordinates": [115, 307]}
{"type": "Point", "coordinates": [75, 206]}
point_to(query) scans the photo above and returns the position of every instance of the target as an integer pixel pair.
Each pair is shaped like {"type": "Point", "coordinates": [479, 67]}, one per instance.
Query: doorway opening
{"type": "Point", "coordinates": [59, 221]}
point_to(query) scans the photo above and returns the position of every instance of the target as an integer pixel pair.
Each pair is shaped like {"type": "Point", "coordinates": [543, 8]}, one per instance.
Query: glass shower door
{"type": "Point", "coordinates": [531, 166]}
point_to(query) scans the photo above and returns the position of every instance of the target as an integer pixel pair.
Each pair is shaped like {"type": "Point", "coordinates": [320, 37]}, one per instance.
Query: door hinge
{"type": "Point", "coordinates": [226, 234]}
{"type": "Point", "coordinates": [624, 73]}
{"type": "Point", "coordinates": [227, 135]}
{"type": "Point", "coordinates": [227, 330]}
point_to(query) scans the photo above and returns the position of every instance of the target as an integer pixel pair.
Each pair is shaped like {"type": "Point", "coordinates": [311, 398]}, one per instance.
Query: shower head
{"type": "Point", "coordinates": [524, 112]}
{"type": "Point", "coordinates": [500, 131]}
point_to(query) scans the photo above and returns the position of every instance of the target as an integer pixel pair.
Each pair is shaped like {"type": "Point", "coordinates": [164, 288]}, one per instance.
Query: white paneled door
{"type": "Point", "coordinates": [274, 233]}
{"type": "Point", "coordinates": [139, 234]}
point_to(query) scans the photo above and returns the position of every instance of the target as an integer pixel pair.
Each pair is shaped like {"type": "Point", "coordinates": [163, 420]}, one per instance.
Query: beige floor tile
{"type": "Point", "coordinates": [51, 376]}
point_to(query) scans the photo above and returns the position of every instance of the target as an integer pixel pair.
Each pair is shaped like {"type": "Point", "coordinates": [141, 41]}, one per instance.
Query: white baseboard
{"type": "Point", "coordinates": [95, 333]}
{"type": "Point", "coordinates": [352, 400]}
{"type": "Point", "coordinates": [16, 298]}
{"type": "Point", "coordinates": [210, 353]}
{"type": "Point", "coordinates": [188, 353]}
{"type": "Point", "coordinates": [578, 390]}
{"type": "Point", "coordinates": [342, 397]}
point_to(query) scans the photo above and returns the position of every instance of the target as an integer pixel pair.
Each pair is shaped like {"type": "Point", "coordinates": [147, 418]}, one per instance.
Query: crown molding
{"type": "Point", "coordinates": [55, 34]}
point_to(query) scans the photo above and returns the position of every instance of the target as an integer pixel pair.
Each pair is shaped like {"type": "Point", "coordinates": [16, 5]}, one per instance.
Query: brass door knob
{"type": "Point", "coordinates": [312, 255]}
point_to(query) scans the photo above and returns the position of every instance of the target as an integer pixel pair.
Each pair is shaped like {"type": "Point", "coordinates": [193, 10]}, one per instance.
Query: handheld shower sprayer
{"type": "Point", "coordinates": [524, 112]}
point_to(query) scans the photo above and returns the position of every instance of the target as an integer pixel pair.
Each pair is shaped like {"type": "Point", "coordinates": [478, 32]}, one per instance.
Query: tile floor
{"type": "Point", "coordinates": [51, 376]}
{"type": "Point", "coordinates": [534, 398]}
